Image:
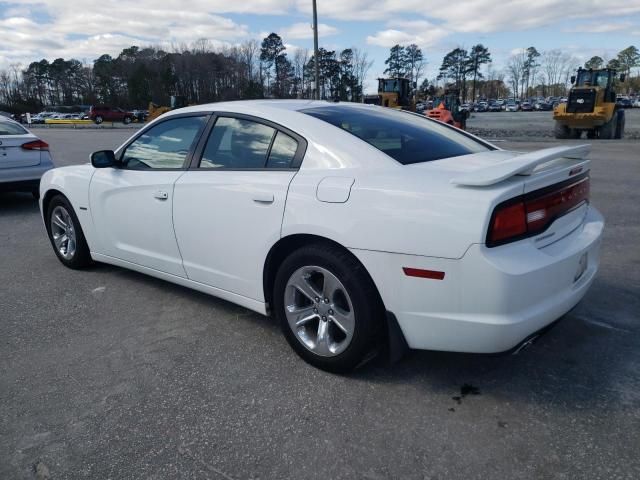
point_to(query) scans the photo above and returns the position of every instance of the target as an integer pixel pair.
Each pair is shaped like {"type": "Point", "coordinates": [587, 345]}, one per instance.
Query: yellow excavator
{"type": "Point", "coordinates": [177, 101]}
{"type": "Point", "coordinates": [591, 106]}
{"type": "Point", "coordinates": [396, 93]}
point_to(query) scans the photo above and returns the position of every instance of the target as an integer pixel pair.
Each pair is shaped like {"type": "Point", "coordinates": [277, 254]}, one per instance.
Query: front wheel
{"type": "Point", "coordinates": [328, 307]}
{"type": "Point", "coordinates": [98, 119]}
{"type": "Point", "coordinates": [65, 234]}
{"type": "Point", "coordinates": [561, 131]}
{"type": "Point", "coordinates": [126, 120]}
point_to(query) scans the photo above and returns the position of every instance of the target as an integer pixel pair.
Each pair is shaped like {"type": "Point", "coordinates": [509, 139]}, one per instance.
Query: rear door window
{"type": "Point", "coordinates": [11, 128]}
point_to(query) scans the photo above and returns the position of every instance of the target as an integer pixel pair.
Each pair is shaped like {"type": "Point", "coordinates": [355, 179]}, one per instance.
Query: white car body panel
{"type": "Point", "coordinates": [134, 212]}
{"type": "Point", "coordinates": [226, 223]}
{"type": "Point", "coordinates": [215, 228]}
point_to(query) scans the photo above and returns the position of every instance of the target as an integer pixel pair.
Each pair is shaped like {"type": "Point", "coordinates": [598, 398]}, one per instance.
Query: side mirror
{"type": "Point", "coordinates": [573, 79]}
{"type": "Point", "coordinates": [623, 77]}
{"type": "Point", "coordinates": [103, 159]}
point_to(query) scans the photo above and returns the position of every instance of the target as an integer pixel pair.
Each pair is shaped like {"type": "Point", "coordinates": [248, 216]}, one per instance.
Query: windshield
{"type": "Point", "coordinates": [593, 79]}
{"type": "Point", "coordinates": [389, 86]}
{"type": "Point", "coordinates": [405, 137]}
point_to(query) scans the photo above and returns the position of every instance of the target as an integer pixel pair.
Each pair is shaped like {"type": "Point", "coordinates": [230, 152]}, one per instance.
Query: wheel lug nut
{"type": "Point", "coordinates": [317, 299]}
{"type": "Point", "coordinates": [330, 312]}
{"type": "Point", "coordinates": [324, 319]}
{"type": "Point", "coordinates": [326, 300]}
{"type": "Point", "coordinates": [315, 310]}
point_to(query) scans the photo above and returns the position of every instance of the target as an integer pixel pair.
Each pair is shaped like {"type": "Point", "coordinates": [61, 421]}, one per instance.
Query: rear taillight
{"type": "Point", "coordinates": [531, 214]}
{"type": "Point", "coordinates": [35, 145]}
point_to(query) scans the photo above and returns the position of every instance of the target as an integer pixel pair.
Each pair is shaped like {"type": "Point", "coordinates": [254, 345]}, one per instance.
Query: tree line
{"type": "Point", "coordinates": [266, 69]}
{"type": "Point", "coordinates": [198, 72]}
{"type": "Point", "coordinates": [528, 72]}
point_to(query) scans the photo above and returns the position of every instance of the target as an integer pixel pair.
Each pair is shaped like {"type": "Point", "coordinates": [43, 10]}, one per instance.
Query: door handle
{"type": "Point", "coordinates": [161, 195]}
{"type": "Point", "coordinates": [263, 198]}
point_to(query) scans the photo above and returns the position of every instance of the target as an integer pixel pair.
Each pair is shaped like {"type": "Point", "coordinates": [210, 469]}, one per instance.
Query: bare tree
{"type": "Point", "coordinates": [515, 67]}
{"type": "Point", "coordinates": [362, 65]}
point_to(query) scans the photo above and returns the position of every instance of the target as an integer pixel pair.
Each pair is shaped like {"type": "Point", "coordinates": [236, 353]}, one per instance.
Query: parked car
{"type": "Point", "coordinates": [636, 103]}
{"type": "Point", "coordinates": [278, 206]}
{"type": "Point", "coordinates": [511, 106]}
{"type": "Point", "coordinates": [542, 106]}
{"type": "Point", "coordinates": [494, 107]}
{"type": "Point", "coordinates": [624, 102]}
{"type": "Point", "coordinates": [102, 113]}
{"type": "Point", "coordinates": [481, 107]}
{"type": "Point", "coordinates": [23, 158]}
{"type": "Point", "coordinates": [526, 107]}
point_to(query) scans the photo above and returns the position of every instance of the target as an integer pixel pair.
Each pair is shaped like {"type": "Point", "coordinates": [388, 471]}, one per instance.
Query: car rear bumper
{"type": "Point", "coordinates": [24, 178]}
{"type": "Point", "coordinates": [491, 299]}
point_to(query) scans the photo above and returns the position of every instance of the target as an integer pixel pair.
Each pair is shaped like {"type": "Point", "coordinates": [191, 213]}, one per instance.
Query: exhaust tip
{"type": "Point", "coordinates": [526, 344]}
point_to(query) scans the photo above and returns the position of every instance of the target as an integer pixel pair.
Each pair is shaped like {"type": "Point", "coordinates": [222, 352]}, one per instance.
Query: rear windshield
{"type": "Point", "coordinates": [10, 128]}
{"type": "Point", "coordinates": [404, 137]}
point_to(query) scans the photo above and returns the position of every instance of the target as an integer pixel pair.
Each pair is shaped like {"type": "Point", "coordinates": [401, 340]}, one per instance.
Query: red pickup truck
{"type": "Point", "coordinates": [101, 113]}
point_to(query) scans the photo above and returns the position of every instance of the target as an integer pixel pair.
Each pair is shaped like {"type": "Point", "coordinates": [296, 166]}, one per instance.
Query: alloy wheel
{"type": "Point", "coordinates": [319, 311]}
{"type": "Point", "coordinates": [63, 232]}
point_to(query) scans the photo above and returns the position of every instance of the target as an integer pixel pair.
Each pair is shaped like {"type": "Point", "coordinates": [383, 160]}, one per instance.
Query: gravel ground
{"type": "Point", "coordinates": [106, 373]}
{"type": "Point", "coordinates": [533, 124]}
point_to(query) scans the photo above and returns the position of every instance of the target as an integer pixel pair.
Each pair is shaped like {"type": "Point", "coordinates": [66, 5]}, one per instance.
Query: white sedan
{"type": "Point", "coordinates": [23, 158]}
{"type": "Point", "coordinates": [354, 225]}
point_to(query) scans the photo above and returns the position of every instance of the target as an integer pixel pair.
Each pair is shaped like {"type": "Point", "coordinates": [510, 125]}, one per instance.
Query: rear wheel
{"type": "Point", "coordinates": [591, 134]}
{"type": "Point", "coordinates": [65, 234]}
{"type": "Point", "coordinates": [561, 131]}
{"type": "Point", "coordinates": [608, 130]}
{"type": "Point", "coordinates": [620, 126]}
{"type": "Point", "coordinates": [328, 307]}
{"type": "Point", "coordinates": [126, 120]}
{"type": "Point", "coordinates": [98, 119]}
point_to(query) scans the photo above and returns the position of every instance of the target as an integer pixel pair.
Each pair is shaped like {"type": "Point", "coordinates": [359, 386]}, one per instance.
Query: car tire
{"type": "Point", "coordinates": [66, 235]}
{"type": "Point", "coordinates": [337, 323]}
{"type": "Point", "coordinates": [591, 134]}
{"type": "Point", "coordinates": [561, 131]}
{"type": "Point", "coordinates": [608, 130]}
{"type": "Point", "coordinates": [126, 120]}
{"type": "Point", "coordinates": [620, 125]}
{"type": "Point", "coordinates": [98, 119]}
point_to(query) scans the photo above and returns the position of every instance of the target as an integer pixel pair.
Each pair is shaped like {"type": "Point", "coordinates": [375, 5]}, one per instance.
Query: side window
{"type": "Point", "coordinates": [282, 151]}
{"type": "Point", "coordinates": [237, 143]}
{"type": "Point", "coordinates": [165, 145]}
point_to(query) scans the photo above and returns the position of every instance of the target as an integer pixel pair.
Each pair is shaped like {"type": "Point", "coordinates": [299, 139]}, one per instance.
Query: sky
{"type": "Point", "coordinates": [84, 29]}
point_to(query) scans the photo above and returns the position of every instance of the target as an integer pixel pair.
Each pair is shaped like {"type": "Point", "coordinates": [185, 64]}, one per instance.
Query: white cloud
{"type": "Point", "coordinates": [599, 27]}
{"type": "Point", "coordinates": [88, 28]}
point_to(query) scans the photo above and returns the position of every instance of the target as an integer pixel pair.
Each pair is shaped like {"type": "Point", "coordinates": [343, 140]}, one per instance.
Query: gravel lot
{"type": "Point", "coordinates": [106, 373]}
{"type": "Point", "coordinates": [534, 124]}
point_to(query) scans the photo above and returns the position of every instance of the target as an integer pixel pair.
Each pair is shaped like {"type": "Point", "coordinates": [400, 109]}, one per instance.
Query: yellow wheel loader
{"type": "Point", "coordinates": [177, 101]}
{"type": "Point", "coordinates": [591, 107]}
{"type": "Point", "coordinates": [395, 93]}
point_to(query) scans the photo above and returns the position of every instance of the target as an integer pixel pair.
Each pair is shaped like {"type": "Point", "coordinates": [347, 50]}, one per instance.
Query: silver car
{"type": "Point", "coordinates": [23, 158]}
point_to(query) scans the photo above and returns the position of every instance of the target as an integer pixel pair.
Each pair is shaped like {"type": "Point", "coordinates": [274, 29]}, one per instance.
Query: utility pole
{"type": "Point", "coordinates": [316, 68]}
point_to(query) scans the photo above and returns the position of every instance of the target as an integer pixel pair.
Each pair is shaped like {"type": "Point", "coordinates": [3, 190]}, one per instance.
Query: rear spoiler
{"type": "Point", "coordinates": [523, 164]}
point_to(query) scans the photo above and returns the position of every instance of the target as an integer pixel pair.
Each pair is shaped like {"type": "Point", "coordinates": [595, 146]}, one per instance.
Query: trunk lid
{"type": "Point", "coordinates": [12, 155]}
{"type": "Point", "coordinates": [555, 175]}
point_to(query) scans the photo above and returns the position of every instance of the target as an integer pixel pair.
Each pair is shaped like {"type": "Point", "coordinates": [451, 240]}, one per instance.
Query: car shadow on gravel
{"type": "Point", "coordinates": [588, 360]}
